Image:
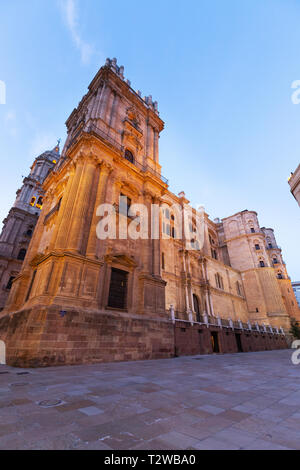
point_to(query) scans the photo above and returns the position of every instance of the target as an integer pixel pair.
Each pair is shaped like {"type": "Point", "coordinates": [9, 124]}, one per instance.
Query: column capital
{"type": "Point", "coordinates": [106, 167]}
{"type": "Point", "coordinates": [148, 195]}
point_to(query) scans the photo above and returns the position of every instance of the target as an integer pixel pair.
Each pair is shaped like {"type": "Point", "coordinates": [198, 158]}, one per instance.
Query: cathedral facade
{"type": "Point", "coordinates": [120, 268]}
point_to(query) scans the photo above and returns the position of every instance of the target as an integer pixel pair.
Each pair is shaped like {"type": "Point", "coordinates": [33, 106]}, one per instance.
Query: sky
{"type": "Point", "coordinates": [221, 72]}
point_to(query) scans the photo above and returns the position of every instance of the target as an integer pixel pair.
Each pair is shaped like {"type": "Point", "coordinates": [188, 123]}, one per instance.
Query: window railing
{"type": "Point", "coordinates": [92, 129]}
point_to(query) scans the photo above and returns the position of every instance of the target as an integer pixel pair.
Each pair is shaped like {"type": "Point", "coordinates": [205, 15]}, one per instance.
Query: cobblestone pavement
{"type": "Point", "coordinates": [232, 401]}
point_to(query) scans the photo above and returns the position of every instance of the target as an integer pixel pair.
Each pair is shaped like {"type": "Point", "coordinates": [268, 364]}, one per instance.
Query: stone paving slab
{"type": "Point", "coordinates": [232, 401]}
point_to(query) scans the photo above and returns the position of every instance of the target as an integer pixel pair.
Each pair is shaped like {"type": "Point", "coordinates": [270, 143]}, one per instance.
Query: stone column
{"type": "Point", "coordinates": [156, 227]}
{"type": "Point", "coordinates": [149, 141]}
{"type": "Point", "coordinates": [68, 200]}
{"type": "Point", "coordinates": [99, 101]}
{"type": "Point", "coordinates": [147, 244]}
{"type": "Point", "coordinates": [110, 106]}
{"type": "Point", "coordinates": [155, 146]}
{"type": "Point", "coordinates": [185, 282]}
{"type": "Point", "coordinates": [49, 198]}
{"type": "Point", "coordinates": [95, 104]}
{"type": "Point", "coordinates": [115, 112]}
{"type": "Point", "coordinates": [81, 207]}
{"type": "Point", "coordinates": [103, 103]}
{"type": "Point", "coordinates": [100, 199]}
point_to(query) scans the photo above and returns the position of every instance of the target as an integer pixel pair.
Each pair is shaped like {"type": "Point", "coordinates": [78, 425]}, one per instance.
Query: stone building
{"type": "Point", "coordinates": [85, 297]}
{"type": "Point", "coordinates": [294, 182]}
{"type": "Point", "coordinates": [296, 287]}
{"type": "Point", "coordinates": [20, 222]}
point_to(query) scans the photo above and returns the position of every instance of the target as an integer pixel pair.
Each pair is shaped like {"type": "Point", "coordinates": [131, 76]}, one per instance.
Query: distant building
{"type": "Point", "coordinates": [296, 287]}
{"type": "Point", "coordinates": [21, 220]}
{"type": "Point", "coordinates": [294, 182]}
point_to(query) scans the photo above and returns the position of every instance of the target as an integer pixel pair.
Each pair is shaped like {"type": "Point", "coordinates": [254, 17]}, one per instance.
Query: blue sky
{"type": "Point", "coordinates": [221, 72]}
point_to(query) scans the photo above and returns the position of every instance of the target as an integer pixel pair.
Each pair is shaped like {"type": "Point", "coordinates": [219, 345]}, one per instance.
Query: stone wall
{"type": "Point", "coordinates": [196, 339]}
{"type": "Point", "coordinates": [38, 337]}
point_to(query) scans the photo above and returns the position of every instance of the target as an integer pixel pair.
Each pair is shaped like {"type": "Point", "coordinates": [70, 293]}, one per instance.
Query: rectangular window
{"type": "Point", "coordinates": [163, 261]}
{"type": "Point", "coordinates": [9, 284]}
{"type": "Point", "coordinates": [124, 206]}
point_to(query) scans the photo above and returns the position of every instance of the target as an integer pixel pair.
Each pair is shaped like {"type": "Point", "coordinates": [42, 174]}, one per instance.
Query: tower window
{"type": "Point", "coordinates": [252, 230]}
{"type": "Point", "coordinates": [257, 247]}
{"type": "Point", "coordinates": [32, 202]}
{"type": "Point", "coordinates": [129, 156]}
{"type": "Point", "coordinates": [262, 264]}
{"type": "Point", "coordinates": [9, 284]}
{"type": "Point", "coordinates": [29, 232]}
{"type": "Point", "coordinates": [39, 203]}
{"type": "Point", "coordinates": [22, 254]}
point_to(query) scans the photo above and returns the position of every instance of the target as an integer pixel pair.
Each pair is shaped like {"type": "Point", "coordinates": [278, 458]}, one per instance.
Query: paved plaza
{"type": "Point", "coordinates": [233, 401]}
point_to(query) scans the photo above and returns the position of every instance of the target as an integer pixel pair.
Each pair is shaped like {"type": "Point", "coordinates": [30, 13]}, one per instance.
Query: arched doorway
{"type": "Point", "coordinates": [2, 353]}
{"type": "Point", "coordinates": [197, 308]}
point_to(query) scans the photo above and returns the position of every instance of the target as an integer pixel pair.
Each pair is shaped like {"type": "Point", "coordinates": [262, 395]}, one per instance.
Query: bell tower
{"type": "Point", "coordinates": [76, 282]}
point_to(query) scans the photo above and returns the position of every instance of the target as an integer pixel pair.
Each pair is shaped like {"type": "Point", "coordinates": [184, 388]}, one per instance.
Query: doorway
{"type": "Point", "coordinates": [238, 342]}
{"type": "Point", "coordinates": [118, 289]}
{"type": "Point", "coordinates": [215, 342]}
{"type": "Point", "coordinates": [2, 353]}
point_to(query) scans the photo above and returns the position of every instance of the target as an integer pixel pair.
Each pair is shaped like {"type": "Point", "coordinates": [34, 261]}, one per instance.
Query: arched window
{"type": "Point", "coordinates": [39, 203]}
{"type": "Point", "coordinates": [10, 281]}
{"type": "Point", "coordinates": [29, 232]}
{"type": "Point", "coordinates": [32, 202]}
{"type": "Point", "coordinates": [129, 156]}
{"type": "Point", "coordinates": [279, 275]}
{"type": "Point", "coordinates": [196, 308]}
{"type": "Point", "coordinates": [262, 263]}
{"type": "Point", "coordinates": [22, 254]}
{"type": "Point", "coordinates": [219, 281]}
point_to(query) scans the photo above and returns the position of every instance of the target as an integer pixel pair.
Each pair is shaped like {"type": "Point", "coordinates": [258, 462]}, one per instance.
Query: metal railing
{"type": "Point", "coordinates": [209, 320]}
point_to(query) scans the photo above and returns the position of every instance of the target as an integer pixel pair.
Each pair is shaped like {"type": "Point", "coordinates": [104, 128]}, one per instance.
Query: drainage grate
{"type": "Point", "coordinates": [22, 373]}
{"type": "Point", "coordinates": [6, 372]}
{"type": "Point", "coordinates": [50, 403]}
